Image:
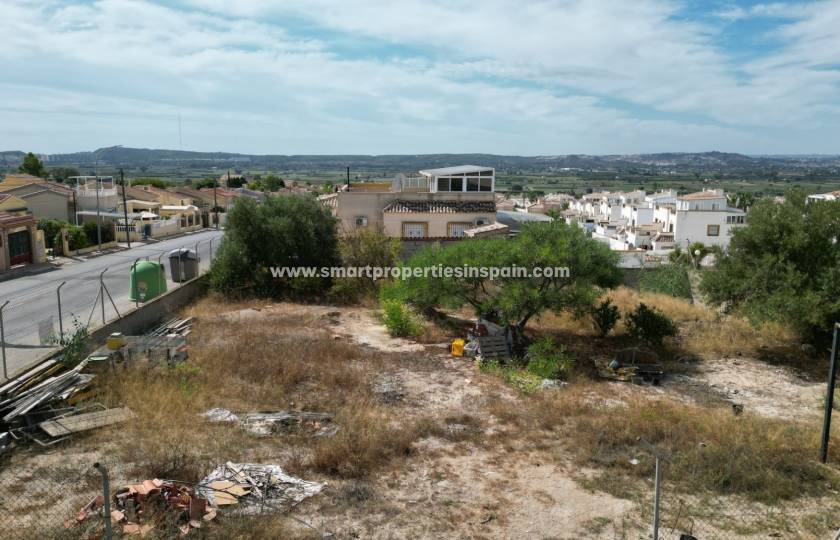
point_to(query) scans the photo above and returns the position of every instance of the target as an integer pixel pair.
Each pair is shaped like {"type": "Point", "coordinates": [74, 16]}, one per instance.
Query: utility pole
{"type": "Point", "coordinates": [125, 210]}
{"type": "Point", "coordinates": [216, 202]}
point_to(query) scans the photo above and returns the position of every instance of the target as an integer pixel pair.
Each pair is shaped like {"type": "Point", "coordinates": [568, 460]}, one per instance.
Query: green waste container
{"type": "Point", "coordinates": [147, 280]}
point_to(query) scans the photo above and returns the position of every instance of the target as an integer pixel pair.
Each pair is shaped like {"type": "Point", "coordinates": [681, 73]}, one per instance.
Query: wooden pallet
{"type": "Point", "coordinates": [61, 427]}
{"type": "Point", "coordinates": [492, 347]}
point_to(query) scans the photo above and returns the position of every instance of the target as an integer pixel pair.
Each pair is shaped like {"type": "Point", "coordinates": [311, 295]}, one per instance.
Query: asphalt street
{"type": "Point", "coordinates": [31, 315]}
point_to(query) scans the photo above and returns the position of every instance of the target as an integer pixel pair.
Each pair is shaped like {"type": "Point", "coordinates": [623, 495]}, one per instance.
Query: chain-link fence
{"type": "Point", "coordinates": [48, 500]}
{"type": "Point", "coordinates": [677, 516]}
{"type": "Point", "coordinates": [89, 292]}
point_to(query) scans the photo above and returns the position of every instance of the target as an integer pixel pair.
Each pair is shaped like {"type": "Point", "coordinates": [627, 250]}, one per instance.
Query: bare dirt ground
{"type": "Point", "coordinates": [447, 489]}
{"type": "Point", "coordinates": [476, 478]}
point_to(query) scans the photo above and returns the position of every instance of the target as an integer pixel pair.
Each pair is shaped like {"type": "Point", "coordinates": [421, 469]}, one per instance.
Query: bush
{"type": "Point", "coordinates": [76, 238]}
{"type": "Point", "coordinates": [360, 248]}
{"type": "Point", "coordinates": [92, 238]}
{"type": "Point", "coordinates": [398, 320]}
{"type": "Point", "coordinates": [549, 361]}
{"type": "Point", "coordinates": [604, 317]}
{"type": "Point", "coordinates": [650, 325]}
{"type": "Point", "coordinates": [671, 280]}
{"type": "Point", "coordinates": [51, 228]}
{"type": "Point", "coordinates": [281, 232]}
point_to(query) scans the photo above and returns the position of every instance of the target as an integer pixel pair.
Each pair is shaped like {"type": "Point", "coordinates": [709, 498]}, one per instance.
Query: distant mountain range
{"type": "Point", "coordinates": [119, 156]}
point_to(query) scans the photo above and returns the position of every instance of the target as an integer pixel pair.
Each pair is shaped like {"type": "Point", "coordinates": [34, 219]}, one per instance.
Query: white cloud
{"type": "Point", "coordinates": [496, 76]}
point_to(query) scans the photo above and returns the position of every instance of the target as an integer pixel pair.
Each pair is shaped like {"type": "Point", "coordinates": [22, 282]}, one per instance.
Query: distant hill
{"type": "Point", "coordinates": [119, 156]}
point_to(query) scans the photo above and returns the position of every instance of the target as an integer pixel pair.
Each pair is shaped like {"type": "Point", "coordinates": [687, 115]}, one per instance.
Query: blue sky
{"type": "Point", "coordinates": [422, 76]}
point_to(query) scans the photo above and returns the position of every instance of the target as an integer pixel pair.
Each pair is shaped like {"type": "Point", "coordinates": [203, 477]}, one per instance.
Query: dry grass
{"type": "Point", "coordinates": [256, 364]}
{"type": "Point", "coordinates": [703, 331]}
{"type": "Point", "coordinates": [710, 449]}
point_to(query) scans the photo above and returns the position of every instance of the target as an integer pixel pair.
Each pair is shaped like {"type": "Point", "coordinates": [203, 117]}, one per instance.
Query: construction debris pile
{"type": "Point", "coordinates": [52, 401]}
{"type": "Point", "coordinates": [262, 424]}
{"type": "Point", "coordinates": [255, 488]}
{"type": "Point", "coordinates": [242, 487]}
{"type": "Point", "coordinates": [139, 508]}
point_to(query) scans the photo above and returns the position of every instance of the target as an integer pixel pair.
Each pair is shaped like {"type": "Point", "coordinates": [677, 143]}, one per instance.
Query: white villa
{"type": "Point", "coordinates": [657, 222]}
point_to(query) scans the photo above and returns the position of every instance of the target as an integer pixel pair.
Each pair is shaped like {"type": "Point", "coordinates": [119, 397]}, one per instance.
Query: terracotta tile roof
{"type": "Point", "coordinates": [8, 219]}
{"type": "Point", "coordinates": [441, 207]}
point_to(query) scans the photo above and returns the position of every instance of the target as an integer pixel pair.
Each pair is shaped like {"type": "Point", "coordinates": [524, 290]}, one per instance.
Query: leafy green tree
{"type": "Point", "coordinates": [32, 165]}
{"type": "Point", "coordinates": [273, 183]}
{"type": "Point", "coordinates": [361, 248]}
{"type": "Point", "coordinates": [207, 182]}
{"type": "Point", "coordinates": [279, 232]}
{"type": "Point", "coordinates": [511, 300]}
{"type": "Point", "coordinates": [61, 174]}
{"type": "Point", "coordinates": [784, 265]}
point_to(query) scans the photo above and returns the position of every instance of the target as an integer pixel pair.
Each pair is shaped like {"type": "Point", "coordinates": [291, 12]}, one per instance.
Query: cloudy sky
{"type": "Point", "coordinates": [421, 76]}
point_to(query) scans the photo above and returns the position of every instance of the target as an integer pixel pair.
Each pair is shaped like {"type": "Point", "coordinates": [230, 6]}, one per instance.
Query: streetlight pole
{"type": "Point", "coordinates": [125, 210]}
{"type": "Point", "coordinates": [829, 395]}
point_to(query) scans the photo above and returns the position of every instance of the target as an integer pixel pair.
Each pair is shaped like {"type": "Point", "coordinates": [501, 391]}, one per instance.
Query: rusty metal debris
{"type": "Point", "coordinates": [262, 424]}
{"type": "Point", "coordinates": [255, 488]}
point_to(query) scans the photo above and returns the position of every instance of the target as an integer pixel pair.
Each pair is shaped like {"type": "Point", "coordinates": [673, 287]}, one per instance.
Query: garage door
{"type": "Point", "coordinates": [20, 248]}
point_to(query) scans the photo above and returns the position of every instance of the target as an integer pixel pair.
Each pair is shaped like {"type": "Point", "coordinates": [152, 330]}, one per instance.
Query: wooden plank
{"type": "Point", "coordinates": [83, 422]}
{"type": "Point", "coordinates": [492, 346]}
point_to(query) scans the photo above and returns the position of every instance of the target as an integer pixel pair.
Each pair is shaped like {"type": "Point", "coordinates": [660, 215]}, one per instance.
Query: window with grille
{"type": "Point", "coordinates": [414, 230]}
{"type": "Point", "coordinates": [457, 229]}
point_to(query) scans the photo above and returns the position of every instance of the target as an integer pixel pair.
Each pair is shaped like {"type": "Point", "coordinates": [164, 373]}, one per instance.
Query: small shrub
{"type": "Point", "coordinates": [76, 238]}
{"type": "Point", "coordinates": [548, 361]}
{"type": "Point", "coordinates": [92, 238]}
{"type": "Point", "coordinates": [650, 325]}
{"type": "Point", "coordinates": [671, 280]}
{"type": "Point", "coordinates": [51, 228]}
{"type": "Point", "coordinates": [398, 320]}
{"type": "Point", "coordinates": [604, 317]}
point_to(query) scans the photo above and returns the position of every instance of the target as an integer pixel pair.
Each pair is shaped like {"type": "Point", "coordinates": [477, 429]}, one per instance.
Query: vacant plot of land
{"type": "Point", "coordinates": [428, 446]}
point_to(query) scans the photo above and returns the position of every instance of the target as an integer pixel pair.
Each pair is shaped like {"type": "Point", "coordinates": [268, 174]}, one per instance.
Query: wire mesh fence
{"type": "Point", "coordinates": [89, 294]}
{"type": "Point", "coordinates": [45, 501]}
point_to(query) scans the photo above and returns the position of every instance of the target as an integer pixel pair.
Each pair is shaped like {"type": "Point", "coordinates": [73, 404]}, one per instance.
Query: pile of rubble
{"type": "Point", "coordinates": [243, 488]}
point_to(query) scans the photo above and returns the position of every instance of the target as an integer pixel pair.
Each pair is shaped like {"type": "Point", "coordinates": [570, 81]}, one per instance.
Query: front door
{"type": "Point", "coordinates": [20, 248]}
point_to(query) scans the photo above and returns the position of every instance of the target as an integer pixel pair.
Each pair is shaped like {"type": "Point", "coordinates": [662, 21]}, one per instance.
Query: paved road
{"type": "Point", "coordinates": [32, 312]}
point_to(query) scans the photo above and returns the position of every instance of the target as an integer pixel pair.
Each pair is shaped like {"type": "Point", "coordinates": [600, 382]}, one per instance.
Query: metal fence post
{"type": "Point", "coordinates": [197, 257]}
{"type": "Point", "coordinates": [134, 276]}
{"type": "Point", "coordinates": [211, 250]}
{"type": "Point", "coordinates": [829, 396]}
{"type": "Point", "coordinates": [60, 322]}
{"type": "Point", "coordinates": [102, 294]}
{"type": "Point", "coordinates": [106, 493]}
{"type": "Point", "coordinates": [656, 493]}
{"type": "Point", "coordinates": [3, 340]}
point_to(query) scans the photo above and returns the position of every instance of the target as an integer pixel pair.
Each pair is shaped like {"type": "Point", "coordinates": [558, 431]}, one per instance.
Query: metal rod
{"type": "Point", "coordinates": [657, 481]}
{"type": "Point", "coordinates": [106, 495]}
{"type": "Point", "coordinates": [102, 293]}
{"type": "Point", "coordinates": [60, 322]}
{"type": "Point", "coordinates": [829, 396]}
{"type": "Point", "coordinates": [134, 272]}
{"type": "Point", "coordinates": [3, 340]}
{"type": "Point", "coordinates": [112, 300]}
{"type": "Point", "coordinates": [197, 258]}
{"type": "Point", "coordinates": [211, 250]}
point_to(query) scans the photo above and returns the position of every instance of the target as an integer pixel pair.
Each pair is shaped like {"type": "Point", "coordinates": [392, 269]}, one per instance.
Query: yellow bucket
{"type": "Point", "coordinates": [115, 341]}
{"type": "Point", "coordinates": [458, 347]}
